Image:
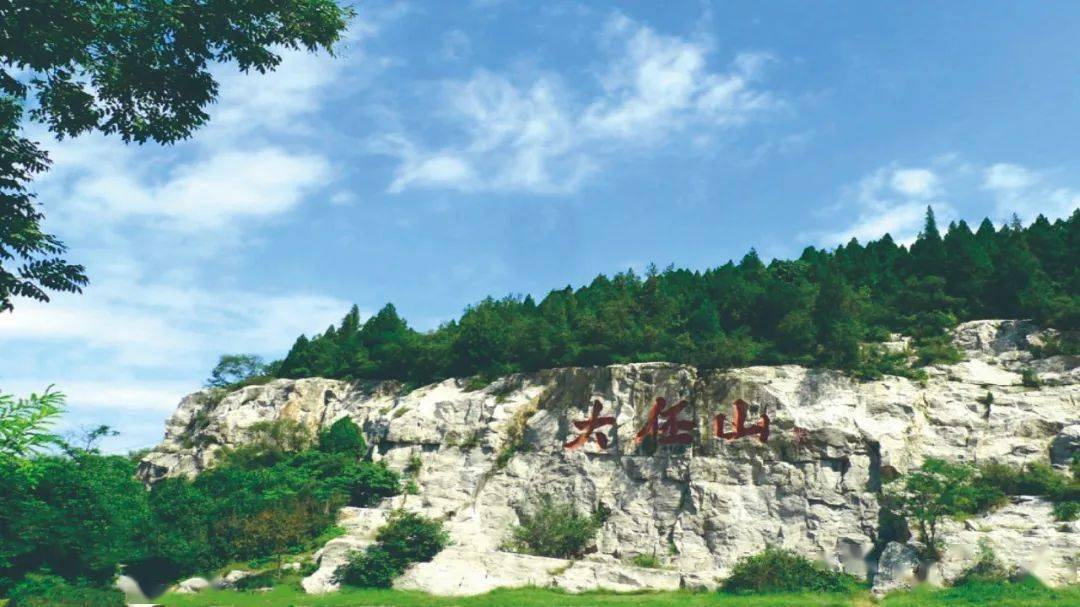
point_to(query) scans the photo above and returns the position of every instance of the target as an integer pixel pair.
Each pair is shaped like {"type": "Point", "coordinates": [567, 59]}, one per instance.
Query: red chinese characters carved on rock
{"type": "Point", "coordinates": [663, 423]}
{"type": "Point", "coordinates": [739, 427]}
{"type": "Point", "coordinates": [588, 428]}
{"type": "Point", "coordinates": [670, 431]}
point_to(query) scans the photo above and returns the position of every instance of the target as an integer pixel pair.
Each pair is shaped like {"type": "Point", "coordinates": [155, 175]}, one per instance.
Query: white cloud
{"type": "Point", "coordinates": [1004, 177]}
{"type": "Point", "coordinates": [157, 396]}
{"type": "Point", "coordinates": [917, 183]}
{"type": "Point", "coordinates": [233, 169]}
{"type": "Point", "coordinates": [232, 184]}
{"type": "Point", "coordinates": [138, 323]}
{"type": "Point", "coordinates": [893, 199]}
{"type": "Point", "coordinates": [1027, 193]}
{"type": "Point", "coordinates": [658, 83]}
{"type": "Point", "coordinates": [532, 135]}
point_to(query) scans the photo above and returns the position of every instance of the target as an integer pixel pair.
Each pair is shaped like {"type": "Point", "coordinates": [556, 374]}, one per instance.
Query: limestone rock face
{"type": "Point", "coordinates": [1022, 534]}
{"type": "Point", "coordinates": [898, 568]}
{"type": "Point", "coordinates": [697, 501]}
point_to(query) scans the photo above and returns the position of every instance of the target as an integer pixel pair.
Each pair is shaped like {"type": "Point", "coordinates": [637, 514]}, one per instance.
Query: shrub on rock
{"type": "Point", "coordinates": [988, 569]}
{"type": "Point", "coordinates": [405, 539]}
{"type": "Point", "coordinates": [343, 436]}
{"type": "Point", "coordinates": [556, 530]}
{"type": "Point", "coordinates": [778, 570]}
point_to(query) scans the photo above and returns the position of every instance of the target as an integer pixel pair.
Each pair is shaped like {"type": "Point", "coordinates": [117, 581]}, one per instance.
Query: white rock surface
{"type": "Point", "coordinates": [458, 572]}
{"type": "Point", "coordinates": [898, 568]}
{"type": "Point", "coordinates": [1022, 534]}
{"type": "Point", "coordinates": [232, 577]}
{"type": "Point", "coordinates": [812, 487]}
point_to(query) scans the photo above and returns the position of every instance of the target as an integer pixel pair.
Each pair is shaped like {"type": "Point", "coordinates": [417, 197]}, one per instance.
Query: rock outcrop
{"type": "Point", "coordinates": [699, 503]}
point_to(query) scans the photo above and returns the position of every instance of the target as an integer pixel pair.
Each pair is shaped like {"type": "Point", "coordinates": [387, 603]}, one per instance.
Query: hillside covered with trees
{"type": "Point", "coordinates": [826, 308]}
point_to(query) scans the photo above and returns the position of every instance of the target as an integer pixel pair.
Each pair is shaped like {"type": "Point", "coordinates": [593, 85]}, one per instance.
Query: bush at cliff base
{"type": "Point", "coordinates": [405, 539]}
{"type": "Point", "coordinates": [777, 570]}
{"type": "Point", "coordinates": [45, 590]}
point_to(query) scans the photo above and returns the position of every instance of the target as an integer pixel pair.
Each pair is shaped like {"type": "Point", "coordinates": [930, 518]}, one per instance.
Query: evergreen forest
{"type": "Point", "coordinates": [828, 308]}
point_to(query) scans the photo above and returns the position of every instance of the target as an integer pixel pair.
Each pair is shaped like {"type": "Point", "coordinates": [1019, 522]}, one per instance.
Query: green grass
{"type": "Point", "coordinates": [525, 597]}
{"type": "Point", "coordinates": [1024, 594]}
{"type": "Point", "coordinates": [1028, 593]}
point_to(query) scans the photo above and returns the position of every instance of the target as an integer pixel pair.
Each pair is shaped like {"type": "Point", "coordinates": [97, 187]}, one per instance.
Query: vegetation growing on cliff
{"type": "Point", "coordinates": [555, 529]}
{"type": "Point", "coordinates": [406, 538]}
{"type": "Point", "coordinates": [939, 490]}
{"type": "Point", "coordinates": [777, 570]}
{"type": "Point", "coordinates": [820, 309]}
{"type": "Point", "coordinates": [78, 514]}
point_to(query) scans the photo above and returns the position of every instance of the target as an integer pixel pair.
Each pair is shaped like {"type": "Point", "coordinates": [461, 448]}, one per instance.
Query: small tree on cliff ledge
{"type": "Point", "coordinates": [936, 490]}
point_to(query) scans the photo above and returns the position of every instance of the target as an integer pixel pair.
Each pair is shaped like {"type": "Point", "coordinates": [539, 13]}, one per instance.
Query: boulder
{"type": "Point", "coordinates": [898, 567]}
{"type": "Point", "coordinates": [1065, 446]}
{"type": "Point", "coordinates": [230, 579]}
{"type": "Point", "coordinates": [331, 556]}
{"type": "Point", "coordinates": [192, 585]}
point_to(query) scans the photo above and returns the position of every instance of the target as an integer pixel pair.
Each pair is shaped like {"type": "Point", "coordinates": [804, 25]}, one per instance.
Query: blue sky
{"type": "Point", "coordinates": [456, 150]}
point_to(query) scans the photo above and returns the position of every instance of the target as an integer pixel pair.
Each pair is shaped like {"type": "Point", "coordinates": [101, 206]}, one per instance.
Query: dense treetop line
{"type": "Point", "coordinates": [826, 308]}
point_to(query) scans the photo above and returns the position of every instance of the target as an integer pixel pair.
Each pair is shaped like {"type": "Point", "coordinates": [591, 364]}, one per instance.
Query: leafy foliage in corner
{"type": "Point", "coordinates": [78, 516]}
{"type": "Point", "coordinates": [555, 529]}
{"type": "Point", "coordinates": [778, 570]}
{"type": "Point", "coordinates": [826, 308]}
{"type": "Point", "coordinates": [138, 69]}
{"type": "Point", "coordinates": [405, 539]}
{"type": "Point", "coordinates": [25, 422]}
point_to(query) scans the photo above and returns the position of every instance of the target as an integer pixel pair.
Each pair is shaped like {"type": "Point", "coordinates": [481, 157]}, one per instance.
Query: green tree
{"type": "Point", "coordinates": [233, 369]}
{"type": "Point", "coordinates": [406, 538]}
{"type": "Point", "coordinates": [837, 315]}
{"type": "Point", "coordinates": [80, 517]}
{"type": "Point", "coordinates": [343, 436]}
{"type": "Point", "coordinates": [827, 308]}
{"type": "Point", "coordinates": [936, 490]}
{"type": "Point", "coordinates": [928, 252]}
{"type": "Point", "coordinates": [25, 423]}
{"type": "Point", "coordinates": [140, 69]}
{"type": "Point", "coordinates": [554, 529]}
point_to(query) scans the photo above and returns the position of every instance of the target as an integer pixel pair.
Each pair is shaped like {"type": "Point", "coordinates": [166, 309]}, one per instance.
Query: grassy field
{"type": "Point", "coordinates": [1009, 595]}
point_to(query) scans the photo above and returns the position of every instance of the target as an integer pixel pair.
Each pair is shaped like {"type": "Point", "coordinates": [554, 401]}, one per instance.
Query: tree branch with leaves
{"type": "Point", "coordinates": [26, 423]}
{"type": "Point", "coordinates": [139, 69]}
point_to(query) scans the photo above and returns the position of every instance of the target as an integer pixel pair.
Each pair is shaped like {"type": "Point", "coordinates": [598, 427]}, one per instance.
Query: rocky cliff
{"type": "Point", "coordinates": [696, 501]}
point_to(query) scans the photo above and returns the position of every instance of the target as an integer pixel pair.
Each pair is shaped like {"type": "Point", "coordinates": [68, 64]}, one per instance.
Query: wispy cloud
{"type": "Point", "coordinates": [534, 135]}
{"type": "Point", "coordinates": [127, 350]}
{"type": "Point", "coordinates": [1027, 192]}
{"type": "Point", "coordinates": [893, 199]}
{"type": "Point", "coordinates": [890, 200]}
{"type": "Point", "coordinates": [232, 170]}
